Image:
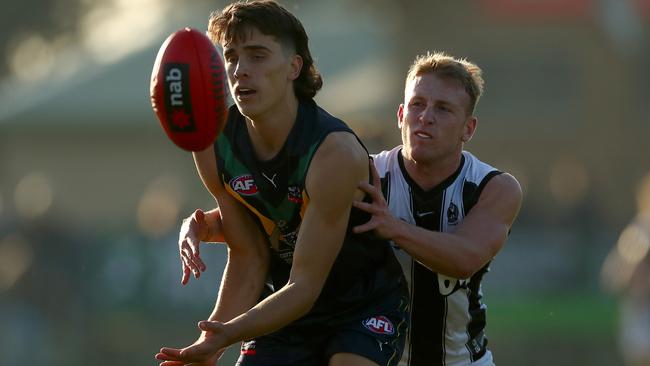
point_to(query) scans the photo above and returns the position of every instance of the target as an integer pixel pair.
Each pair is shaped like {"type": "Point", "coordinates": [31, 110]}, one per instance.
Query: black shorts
{"type": "Point", "coordinates": [377, 333]}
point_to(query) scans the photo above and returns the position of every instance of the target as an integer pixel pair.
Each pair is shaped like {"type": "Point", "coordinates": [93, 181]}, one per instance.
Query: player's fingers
{"type": "Point", "coordinates": [200, 264]}
{"type": "Point", "coordinates": [194, 245]}
{"type": "Point", "coordinates": [368, 207]}
{"type": "Point", "coordinates": [173, 363]}
{"type": "Point", "coordinates": [186, 275]}
{"type": "Point", "coordinates": [189, 262]}
{"type": "Point", "coordinates": [368, 226]}
{"type": "Point", "coordinates": [168, 354]}
{"type": "Point", "coordinates": [197, 352]}
{"type": "Point", "coordinates": [197, 266]}
{"type": "Point", "coordinates": [373, 191]}
{"type": "Point", "coordinates": [364, 186]}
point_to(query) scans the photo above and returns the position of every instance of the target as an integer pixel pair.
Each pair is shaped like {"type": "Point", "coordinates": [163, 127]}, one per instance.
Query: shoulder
{"type": "Point", "coordinates": [493, 185]}
{"type": "Point", "coordinates": [334, 175]}
{"type": "Point", "coordinates": [505, 182]}
{"type": "Point", "coordinates": [342, 148]}
{"type": "Point", "coordinates": [385, 159]}
{"type": "Point", "coordinates": [503, 188]}
{"type": "Point", "coordinates": [477, 169]}
{"type": "Point", "coordinates": [338, 166]}
{"type": "Point", "coordinates": [206, 166]}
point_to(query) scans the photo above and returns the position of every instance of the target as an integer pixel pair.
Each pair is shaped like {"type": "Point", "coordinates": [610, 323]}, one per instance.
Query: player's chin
{"type": "Point", "coordinates": [249, 109]}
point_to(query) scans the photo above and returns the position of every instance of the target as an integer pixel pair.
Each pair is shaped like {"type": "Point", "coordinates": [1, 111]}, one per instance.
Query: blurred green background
{"type": "Point", "coordinates": [92, 192]}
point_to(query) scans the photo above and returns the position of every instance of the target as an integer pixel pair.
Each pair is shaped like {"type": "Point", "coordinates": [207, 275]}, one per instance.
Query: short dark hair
{"type": "Point", "coordinates": [235, 21]}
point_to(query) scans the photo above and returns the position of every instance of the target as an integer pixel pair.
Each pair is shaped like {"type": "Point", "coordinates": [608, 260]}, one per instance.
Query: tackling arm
{"type": "Point", "coordinates": [478, 238]}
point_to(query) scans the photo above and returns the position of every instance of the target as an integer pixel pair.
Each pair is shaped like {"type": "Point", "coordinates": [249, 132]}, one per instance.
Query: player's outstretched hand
{"type": "Point", "coordinates": [382, 222]}
{"type": "Point", "coordinates": [193, 230]}
{"type": "Point", "coordinates": [204, 352]}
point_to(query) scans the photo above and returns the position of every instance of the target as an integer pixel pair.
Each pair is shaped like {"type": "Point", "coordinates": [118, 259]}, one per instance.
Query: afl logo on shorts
{"type": "Point", "coordinates": [379, 324]}
{"type": "Point", "coordinates": [244, 185]}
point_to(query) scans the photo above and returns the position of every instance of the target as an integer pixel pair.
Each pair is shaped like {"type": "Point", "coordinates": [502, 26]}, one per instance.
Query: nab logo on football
{"type": "Point", "coordinates": [244, 185]}
{"type": "Point", "coordinates": [177, 98]}
{"type": "Point", "coordinates": [379, 324]}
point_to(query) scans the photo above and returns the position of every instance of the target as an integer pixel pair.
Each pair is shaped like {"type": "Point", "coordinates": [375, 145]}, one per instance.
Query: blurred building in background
{"type": "Point", "coordinates": [92, 192]}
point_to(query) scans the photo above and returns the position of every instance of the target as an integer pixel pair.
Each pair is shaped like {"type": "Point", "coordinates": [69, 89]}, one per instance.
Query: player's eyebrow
{"type": "Point", "coordinates": [249, 48]}
{"type": "Point", "coordinates": [255, 47]}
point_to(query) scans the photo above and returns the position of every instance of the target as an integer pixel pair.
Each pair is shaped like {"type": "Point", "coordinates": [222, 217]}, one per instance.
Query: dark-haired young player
{"type": "Point", "coordinates": [299, 287]}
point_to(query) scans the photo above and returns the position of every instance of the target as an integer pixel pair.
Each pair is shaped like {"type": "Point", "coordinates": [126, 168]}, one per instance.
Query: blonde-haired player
{"type": "Point", "coordinates": [447, 213]}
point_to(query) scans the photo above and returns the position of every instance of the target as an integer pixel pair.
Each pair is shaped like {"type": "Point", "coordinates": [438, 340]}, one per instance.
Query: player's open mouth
{"type": "Point", "coordinates": [423, 135]}
{"type": "Point", "coordinates": [243, 93]}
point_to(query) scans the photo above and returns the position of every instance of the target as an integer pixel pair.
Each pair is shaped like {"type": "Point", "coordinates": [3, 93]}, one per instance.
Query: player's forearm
{"type": "Point", "coordinates": [278, 310]}
{"type": "Point", "coordinates": [241, 285]}
{"type": "Point", "coordinates": [445, 253]}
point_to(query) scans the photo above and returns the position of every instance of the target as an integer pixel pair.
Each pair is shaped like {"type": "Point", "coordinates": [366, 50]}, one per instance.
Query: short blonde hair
{"type": "Point", "coordinates": [466, 72]}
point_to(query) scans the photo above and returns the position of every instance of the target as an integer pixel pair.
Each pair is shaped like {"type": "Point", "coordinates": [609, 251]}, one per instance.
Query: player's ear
{"type": "Point", "coordinates": [400, 115]}
{"type": "Point", "coordinates": [296, 67]}
{"type": "Point", "coordinates": [469, 129]}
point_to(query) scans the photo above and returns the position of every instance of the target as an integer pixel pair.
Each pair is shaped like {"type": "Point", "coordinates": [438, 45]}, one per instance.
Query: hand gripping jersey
{"type": "Point", "coordinates": [274, 192]}
{"type": "Point", "coordinates": [447, 315]}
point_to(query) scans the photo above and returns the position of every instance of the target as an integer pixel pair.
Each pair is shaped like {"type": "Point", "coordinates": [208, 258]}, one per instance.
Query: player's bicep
{"type": "Point", "coordinates": [489, 221]}
{"type": "Point", "coordinates": [240, 229]}
{"type": "Point", "coordinates": [325, 222]}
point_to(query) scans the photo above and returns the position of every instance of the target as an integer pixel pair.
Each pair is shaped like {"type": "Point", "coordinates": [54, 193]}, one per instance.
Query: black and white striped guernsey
{"type": "Point", "coordinates": [447, 314]}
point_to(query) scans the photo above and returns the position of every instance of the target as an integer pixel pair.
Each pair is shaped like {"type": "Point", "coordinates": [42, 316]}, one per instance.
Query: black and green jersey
{"type": "Point", "coordinates": [274, 191]}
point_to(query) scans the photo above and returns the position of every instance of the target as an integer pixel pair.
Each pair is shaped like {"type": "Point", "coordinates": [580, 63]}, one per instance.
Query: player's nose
{"type": "Point", "coordinates": [241, 70]}
{"type": "Point", "coordinates": [427, 116]}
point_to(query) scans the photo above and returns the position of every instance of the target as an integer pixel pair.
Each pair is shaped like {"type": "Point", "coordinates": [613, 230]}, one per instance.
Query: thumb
{"type": "Point", "coordinates": [199, 214]}
{"type": "Point", "coordinates": [207, 325]}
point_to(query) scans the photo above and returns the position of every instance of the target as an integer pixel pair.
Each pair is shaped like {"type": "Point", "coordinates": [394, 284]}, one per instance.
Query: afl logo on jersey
{"type": "Point", "coordinates": [244, 185]}
{"type": "Point", "coordinates": [452, 214]}
{"type": "Point", "coordinates": [379, 324]}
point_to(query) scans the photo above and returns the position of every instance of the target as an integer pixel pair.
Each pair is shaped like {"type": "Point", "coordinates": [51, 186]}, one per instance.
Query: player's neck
{"type": "Point", "coordinates": [269, 131]}
{"type": "Point", "coordinates": [429, 174]}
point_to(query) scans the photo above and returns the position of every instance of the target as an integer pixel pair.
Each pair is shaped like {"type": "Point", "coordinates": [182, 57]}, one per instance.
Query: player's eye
{"type": "Point", "coordinates": [230, 59]}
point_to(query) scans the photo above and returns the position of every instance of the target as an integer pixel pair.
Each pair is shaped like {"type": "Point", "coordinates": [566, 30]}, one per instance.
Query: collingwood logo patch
{"type": "Point", "coordinates": [452, 214]}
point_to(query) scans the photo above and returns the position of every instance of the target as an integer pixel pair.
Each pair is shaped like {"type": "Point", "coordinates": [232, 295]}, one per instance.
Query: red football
{"type": "Point", "coordinates": [188, 90]}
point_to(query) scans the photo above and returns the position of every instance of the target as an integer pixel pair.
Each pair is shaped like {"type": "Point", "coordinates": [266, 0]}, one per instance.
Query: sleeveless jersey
{"type": "Point", "coordinates": [447, 315]}
{"type": "Point", "coordinates": [274, 192]}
